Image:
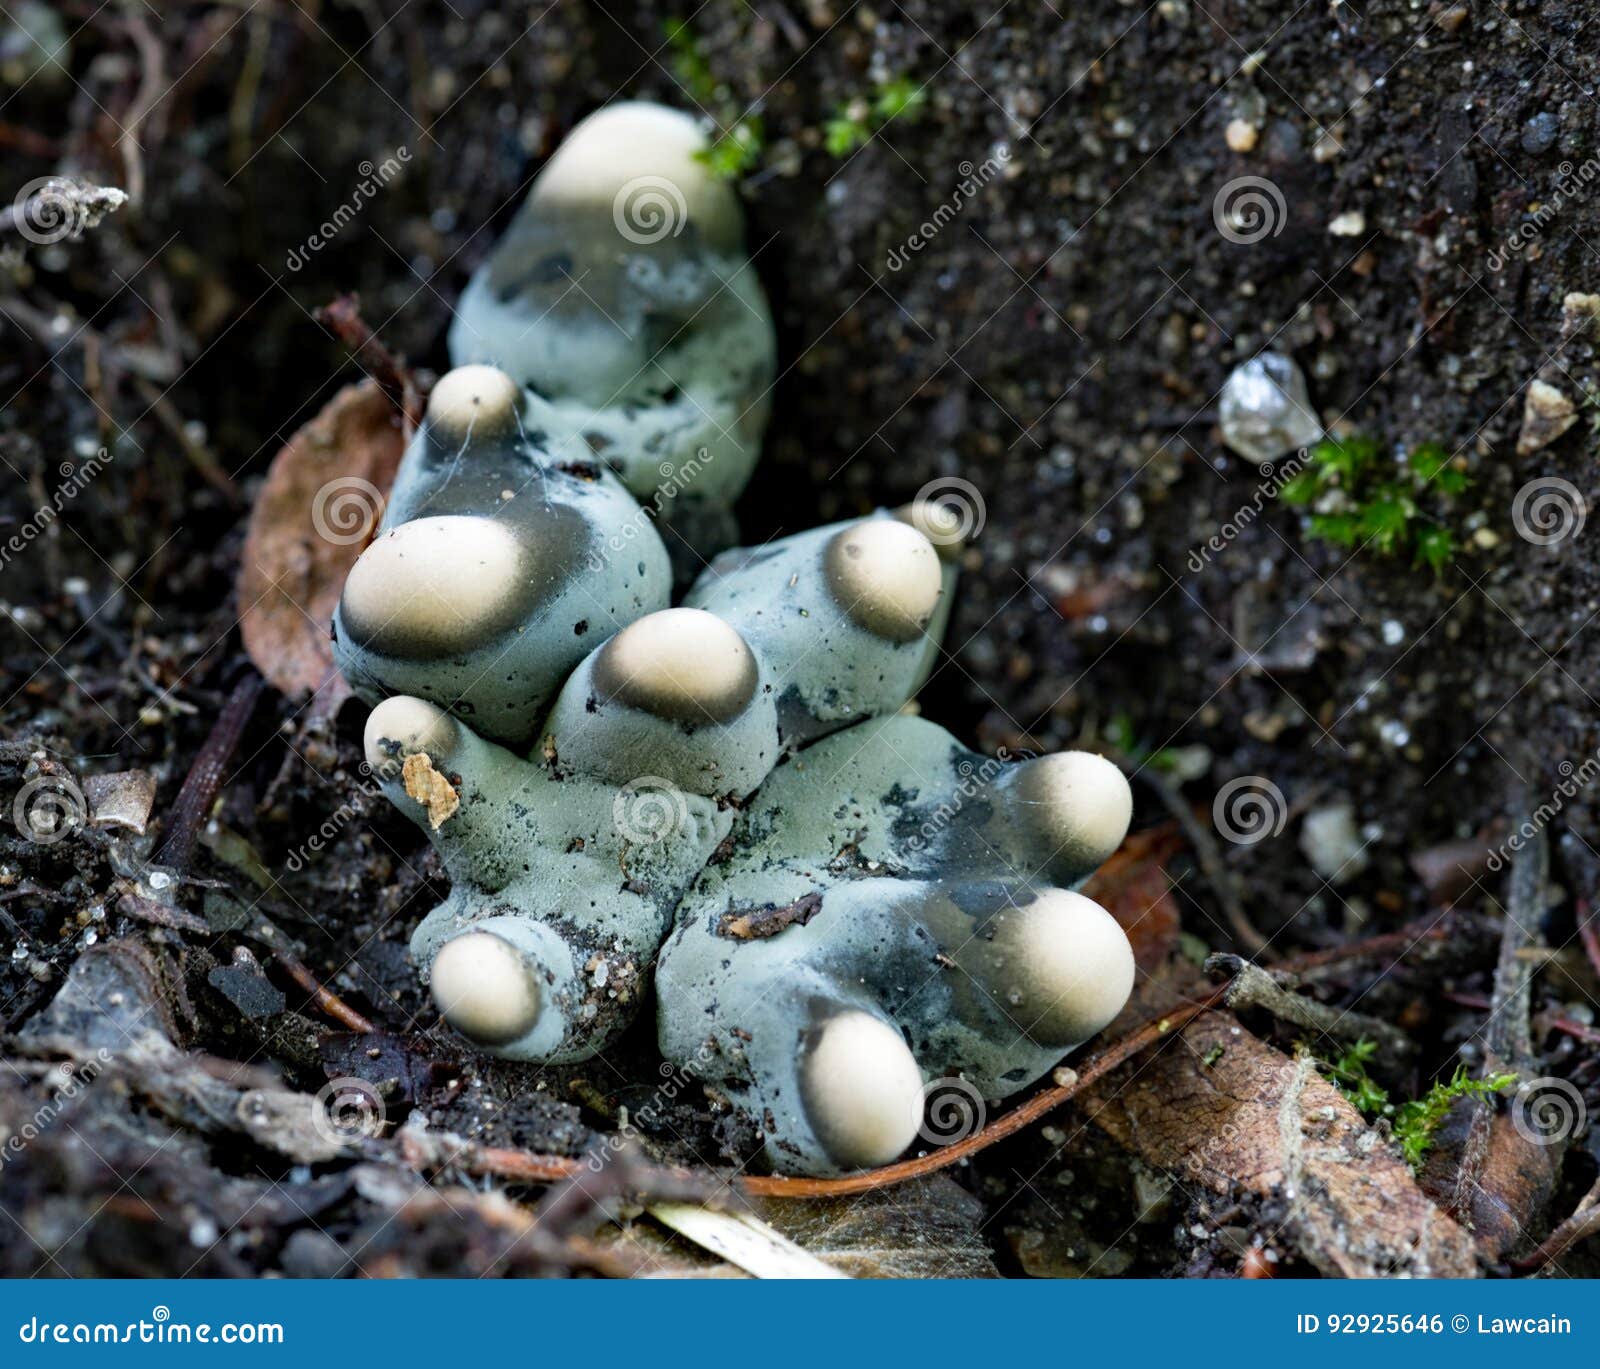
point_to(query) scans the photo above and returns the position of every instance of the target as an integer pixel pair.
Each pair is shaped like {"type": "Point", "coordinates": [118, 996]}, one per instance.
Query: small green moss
{"type": "Point", "coordinates": [898, 97]}
{"type": "Point", "coordinates": [1349, 1074]}
{"type": "Point", "coordinates": [855, 121]}
{"type": "Point", "coordinates": [844, 133]}
{"type": "Point", "coordinates": [689, 63]}
{"type": "Point", "coordinates": [737, 151]}
{"type": "Point", "coordinates": [1416, 1123]}
{"type": "Point", "coordinates": [1357, 500]}
{"type": "Point", "coordinates": [737, 148]}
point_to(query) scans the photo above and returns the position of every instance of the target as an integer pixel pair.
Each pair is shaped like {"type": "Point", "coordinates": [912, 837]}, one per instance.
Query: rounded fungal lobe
{"type": "Point", "coordinates": [861, 1089]}
{"type": "Point", "coordinates": [404, 726]}
{"type": "Point", "coordinates": [477, 401]}
{"type": "Point", "coordinates": [1078, 803]}
{"type": "Point", "coordinates": [1061, 964]}
{"type": "Point", "coordinates": [885, 575]}
{"type": "Point", "coordinates": [641, 149]}
{"type": "Point", "coordinates": [485, 988]}
{"type": "Point", "coordinates": [439, 587]}
{"type": "Point", "coordinates": [682, 664]}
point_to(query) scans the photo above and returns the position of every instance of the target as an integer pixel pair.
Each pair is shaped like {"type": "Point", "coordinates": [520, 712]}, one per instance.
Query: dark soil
{"type": "Point", "coordinates": [1059, 341]}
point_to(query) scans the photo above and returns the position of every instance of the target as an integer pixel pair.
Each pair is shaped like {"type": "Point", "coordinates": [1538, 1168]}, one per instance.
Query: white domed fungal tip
{"type": "Point", "coordinates": [407, 726]}
{"type": "Point", "coordinates": [1079, 802]}
{"type": "Point", "coordinates": [485, 988]}
{"type": "Point", "coordinates": [435, 586]}
{"type": "Point", "coordinates": [642, 161]}
{"type": "Point", "coordinates": [680, 663]}
{"type": "Point", "coordinates": [862, 1090]}
{"type": "Point", "coordinates": [940, 523]}
{"type": "Point", "coordinates": [481, 400]}
{"type": "Point", "coordinates": [885, 575]}
{"type": "Point", "coordinates": [1068, 967]}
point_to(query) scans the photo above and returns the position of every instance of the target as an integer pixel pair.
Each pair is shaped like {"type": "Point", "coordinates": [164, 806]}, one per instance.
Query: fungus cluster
{"type": "Point", "coordinates": [721, 794]}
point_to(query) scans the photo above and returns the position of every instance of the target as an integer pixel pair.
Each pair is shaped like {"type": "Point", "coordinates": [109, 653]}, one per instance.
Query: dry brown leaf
{"type": "Point", "coordinates": [1134, 888]}
{"type": "Point", "coordinates": [928, 1229]}
{"type": "Point", "coordinates": [1221, 1108]}
{"type": "Point", "coordinates": [1500, 1181]}
{"type": "Point", "coordinates": [315, 513]}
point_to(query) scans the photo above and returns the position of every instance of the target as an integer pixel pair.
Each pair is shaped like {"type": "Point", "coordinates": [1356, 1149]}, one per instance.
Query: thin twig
{"type": "Point", "coordinates": [342, 318]}
{"type": "Point", "coordinates": [528, 1167]}
{"type": "Point", "coordinates": [1223, 883]}
{"type": "Point", "coordinates": [1588, 934]}
{"type": "Point", "coordinates": [1565, 1025]}
{"type": "Point", "coordinates": [323, 997]}
{"type": "Point", "coordinates": [1582, 1224]}
{"type": "Point", "coordinates": [1508, 1032]}
{"type": "Point", "coordinates": [777, 1186]}
{"type": "Point", "coordinates": [205, 776]}
{"type": "Point", "coordinates": [1250, 986]}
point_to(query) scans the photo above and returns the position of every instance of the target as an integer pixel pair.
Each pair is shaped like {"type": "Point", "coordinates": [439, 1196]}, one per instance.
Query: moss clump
{"type": "Point", "coordinates": [741, 138]}
{"type": "Point", "coordinates": [1415, 1123]}
{"type": "Point", "coordinates": [855, 122]}
{"type": "Point", "coordinates": [1359, 501]}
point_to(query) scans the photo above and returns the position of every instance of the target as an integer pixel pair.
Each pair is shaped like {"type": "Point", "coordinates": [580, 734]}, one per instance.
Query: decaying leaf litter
{"type": "Point", "coordinates": [178, 1155]}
